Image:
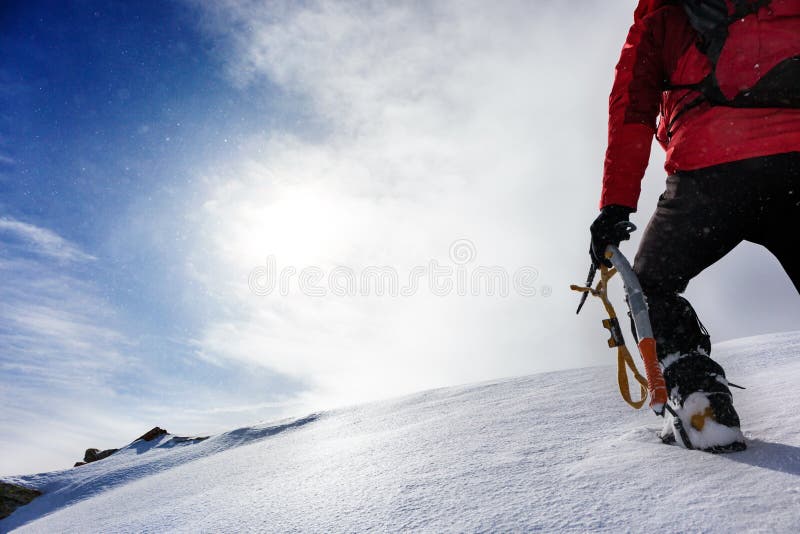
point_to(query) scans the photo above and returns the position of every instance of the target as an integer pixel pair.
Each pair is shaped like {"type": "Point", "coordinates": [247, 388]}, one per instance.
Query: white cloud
{"type": "Point", "coordinates": [424, 123]}
{"type": "Point", "coordinates": [436, 121]}
{"type": "Point", "coordinates": [43, 241]}
{"type": "Point", "coordinates": [61, 356]}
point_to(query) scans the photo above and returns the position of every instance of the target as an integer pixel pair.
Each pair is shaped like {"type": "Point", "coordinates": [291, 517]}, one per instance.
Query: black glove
{"type": "Point", "coordinates": [606, 230]}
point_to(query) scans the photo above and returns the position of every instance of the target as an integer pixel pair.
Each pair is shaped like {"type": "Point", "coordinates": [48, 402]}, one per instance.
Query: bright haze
{"type": "Point", "coordinates": [216, 213]}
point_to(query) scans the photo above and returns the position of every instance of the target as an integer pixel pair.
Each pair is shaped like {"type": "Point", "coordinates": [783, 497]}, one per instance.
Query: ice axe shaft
{"type": "Point", "coordinates": [641, 319]}
{"type": "Point", "coordinates": [653, 385]}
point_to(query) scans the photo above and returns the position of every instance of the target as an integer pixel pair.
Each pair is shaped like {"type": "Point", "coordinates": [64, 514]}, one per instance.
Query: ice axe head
{"type": "Point", "coordinates": [622, 232]}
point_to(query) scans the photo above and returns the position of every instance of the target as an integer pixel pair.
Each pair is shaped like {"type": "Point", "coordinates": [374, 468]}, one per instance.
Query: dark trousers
{"type": "Point", "coordinates": [702, 216]}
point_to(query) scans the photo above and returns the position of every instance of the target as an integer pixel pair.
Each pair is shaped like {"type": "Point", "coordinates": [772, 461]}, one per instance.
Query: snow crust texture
{"type": "Point", "coordinates": [552, 452]}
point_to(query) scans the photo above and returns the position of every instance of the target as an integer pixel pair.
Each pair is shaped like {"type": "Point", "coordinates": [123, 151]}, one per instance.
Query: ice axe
{"type": "Point", "coordinates": [654, 384]}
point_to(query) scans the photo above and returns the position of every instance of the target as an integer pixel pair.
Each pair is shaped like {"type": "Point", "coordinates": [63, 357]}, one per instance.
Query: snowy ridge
{"type": "Point", "coordinates": [558, 451]}
{"type": "Point", "coordinates": [135, 461]}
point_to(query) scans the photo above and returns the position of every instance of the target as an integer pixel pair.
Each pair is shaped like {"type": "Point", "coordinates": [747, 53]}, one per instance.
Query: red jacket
{"type": "Point", "coordinates": [660, 49]}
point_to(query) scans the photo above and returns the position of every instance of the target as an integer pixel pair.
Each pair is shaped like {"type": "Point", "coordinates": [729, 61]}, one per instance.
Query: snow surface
{"type": "Point", "coordinates": [553, 452]}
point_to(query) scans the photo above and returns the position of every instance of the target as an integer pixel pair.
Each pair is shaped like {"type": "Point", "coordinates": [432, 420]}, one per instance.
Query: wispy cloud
{"type": "Point", "coordinates": [61, 357]}
{"type": "Point", "coordinates": [42, 241]}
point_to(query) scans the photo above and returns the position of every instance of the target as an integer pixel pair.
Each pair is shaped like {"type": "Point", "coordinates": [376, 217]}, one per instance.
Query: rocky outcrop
{"type": "Point", "coordinates": [92, 455]}
{"type": "Point", "coordinates": [152, 434]}
{"type": "Point", "coordinates": [13, 496]}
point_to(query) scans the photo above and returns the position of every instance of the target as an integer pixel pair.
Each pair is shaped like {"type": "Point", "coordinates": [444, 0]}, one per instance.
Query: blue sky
{"type": "Point", "coordinates": [114, 104]}
{"type": "Point", "coordinates": [153, 154]}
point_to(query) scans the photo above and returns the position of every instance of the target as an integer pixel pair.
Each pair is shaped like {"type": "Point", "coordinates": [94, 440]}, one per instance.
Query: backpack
{"type": "Point", "coordinates": [711, 19]}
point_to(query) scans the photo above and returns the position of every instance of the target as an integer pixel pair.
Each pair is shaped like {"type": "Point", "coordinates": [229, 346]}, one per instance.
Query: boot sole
{"type": "Point", "coordinates": [736, 446]}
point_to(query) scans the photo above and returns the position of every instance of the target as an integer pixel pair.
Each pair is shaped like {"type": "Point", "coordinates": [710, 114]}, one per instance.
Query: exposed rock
{"type": "Point", "coordinates": [92, 455]}
{"type": "Point", "coordinates": [13, 496]}
{"type": "Point", "coordinates": [152, 434]}
{"type": "Point", "coordinates": [78, 464]}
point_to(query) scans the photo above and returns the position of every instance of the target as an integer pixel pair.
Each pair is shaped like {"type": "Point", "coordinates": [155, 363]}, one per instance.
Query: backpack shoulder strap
{"type": "Point", "coordinates": [711, 18]}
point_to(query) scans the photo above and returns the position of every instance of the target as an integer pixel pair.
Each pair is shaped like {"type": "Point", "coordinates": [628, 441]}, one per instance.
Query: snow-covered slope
{"type": "Point", "coordinates": [553, 452]}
